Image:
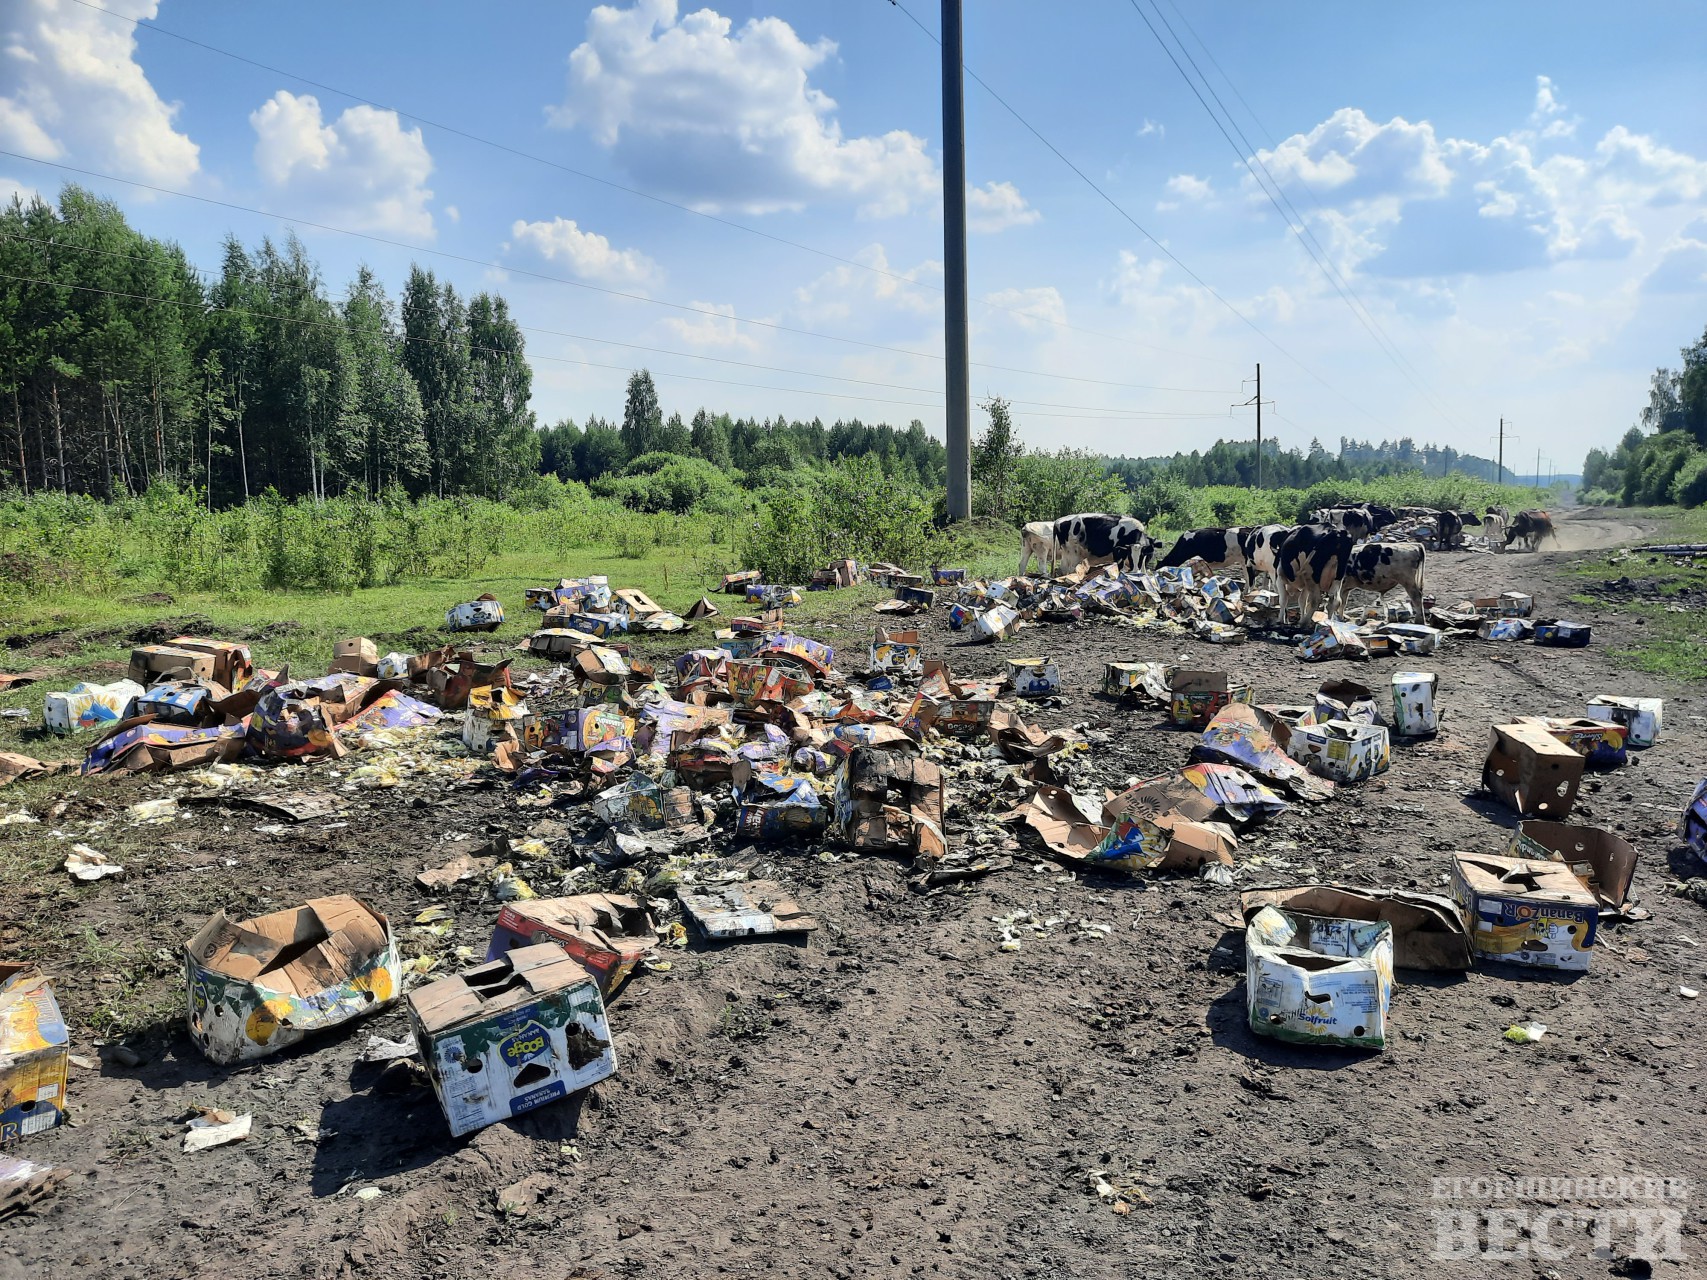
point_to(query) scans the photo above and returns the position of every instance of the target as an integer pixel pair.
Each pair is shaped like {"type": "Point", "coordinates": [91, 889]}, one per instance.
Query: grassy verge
{"type": "Point", "coordinates": [1666, 594]}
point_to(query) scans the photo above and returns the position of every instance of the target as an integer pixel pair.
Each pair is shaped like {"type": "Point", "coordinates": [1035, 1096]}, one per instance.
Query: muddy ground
{"type": "Point", "coordinates": [897, 1096]}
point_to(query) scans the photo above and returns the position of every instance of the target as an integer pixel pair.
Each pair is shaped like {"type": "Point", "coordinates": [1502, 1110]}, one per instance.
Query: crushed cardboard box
{"type": "Point", "coordinates": [35, 1049]}
{"type": "Point", "coordinates": [1531, 771]}
{"type": "Point", "coordinates": [745, 909]}
{"type": "Point", "coordinates": [1525, 911]}
{"type": "Point", "coordinates": [1315, 980]}
{"type": "Point", "coordinates": [608, 933]}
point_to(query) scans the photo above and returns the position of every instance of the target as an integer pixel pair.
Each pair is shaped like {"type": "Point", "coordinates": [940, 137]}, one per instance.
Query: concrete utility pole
{"type": "Point", "coordinates": [958, 424]}
{"type": "Point", "coordinates": [1257, 401]}
{"type": "Point", "coordinates": [1502, 452]}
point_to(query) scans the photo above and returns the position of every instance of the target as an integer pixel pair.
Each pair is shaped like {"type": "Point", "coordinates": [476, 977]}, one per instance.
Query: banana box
{"type": "Point", "coordinates": [516, 1033]}
{"type": "Point", "coordinates": [1342, 750]}
{"type": "Point", "coordinates": [34, 1050]}
{"type": "Point", "coordinates": [257, 986]}
{"type": "Point", "coordinates": [1525, 911]}
{"type": "Point", "coordinates": [897, 652]}
{"type": "Point", "coordinates": [1642, 718]}
{"type": "Point", "coordinates": [1318, 980]}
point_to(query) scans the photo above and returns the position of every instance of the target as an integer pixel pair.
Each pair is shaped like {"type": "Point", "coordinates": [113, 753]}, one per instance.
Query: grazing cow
{"type": "Point", "coordinates": [1258, 542]}
{"type": "Point", "coordinates": [1534, 527]}
{"type": "Point", "coordinates": [1451, 527]}
{"type": "Point", "coordinates": [1217, 548]}
{"type": "Point", "coordinates": [1380, 516]}
{"type": "Point", "coordinates": [1099, 538]}
{"type": "Point", "coordinates": [1382, 567]}
{"type": "Point", "coordinates": [1356, 521]}
{"type": "Point", "coordinates": [1494, 527]}
{"type": "Point", "coordinates": [1037, 540]}
{"type": "Point", "coordinates": [1311, 558]}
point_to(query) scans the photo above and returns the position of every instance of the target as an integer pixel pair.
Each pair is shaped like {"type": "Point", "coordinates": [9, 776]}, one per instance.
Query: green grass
{"type": "Point", "coordinates": [1671, 640]}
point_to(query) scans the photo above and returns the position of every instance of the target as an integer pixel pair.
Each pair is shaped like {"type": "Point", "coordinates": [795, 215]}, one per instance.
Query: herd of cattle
{"type": "Point", "coordinates": [1308, 564]}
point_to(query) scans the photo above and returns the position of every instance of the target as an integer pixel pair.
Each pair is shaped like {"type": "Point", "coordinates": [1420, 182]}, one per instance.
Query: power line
{"type": "Point", "coordinates": [637, 192]}
{"type": "Point", "coordinates": [581, 284]}
{"type": "Point", "coordinates": [1277, 197]}
{"type": "Point", "coordinates": [212, 275]}
{"type": "Point", "coordinates": [1142, 230]}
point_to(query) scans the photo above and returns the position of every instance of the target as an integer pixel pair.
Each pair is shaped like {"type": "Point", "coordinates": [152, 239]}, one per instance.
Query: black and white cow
{"type": "Point", "coordinates": [1099, 538]}
{"type": "Point", "coordinates": [1533, 527]}
{"type": "Point", "coordinates": [1311, 558]}
{"type": "Point", "coordinates": [1451, 527]}
{"type": "Point", "coordinates": [1354, 520]}
{"type": "Point", "coordinates": [1258, 543]}
{"type": "Point", "coordinates": [1218, 548]}
{"type": "Point", "coordinates": [1037, 541]}
{"type": "Point", "coordinates": [1382, 567]}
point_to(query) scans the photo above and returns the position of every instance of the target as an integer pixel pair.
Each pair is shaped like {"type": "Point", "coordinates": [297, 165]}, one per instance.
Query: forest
{"type": "Point", "coordinates": [1662, 459]}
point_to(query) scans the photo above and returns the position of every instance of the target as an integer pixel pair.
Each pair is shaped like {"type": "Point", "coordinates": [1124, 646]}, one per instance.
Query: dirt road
{"type": "Point", "coordinates": [899, 1096]}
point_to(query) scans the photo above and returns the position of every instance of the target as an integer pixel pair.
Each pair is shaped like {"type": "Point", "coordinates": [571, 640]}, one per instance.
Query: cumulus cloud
{"type": "Point", "coordinates": [728, 118]}
{"type": "Point", "coordinates": [11, 189]}
{"type": "Point", "coordinates": [996, 206]}
{"type": "Point", "coordinates": [365, 169]}
{"type": "Point", "coordinates": [586, 253]}
{"type": "Point", "coordinates": [75, 89]}
{"type": "Point", "coordinates": [835, 294]}
{"type": "Point", "coordinates": [1549, 112]}
{"type": "Point", "coordinates": [716, 330]}
{"type": "Point", "coordinates": [1682, 268]}
{"type": "Point", "coordinates": [1150, 127]}
{"type": "Point", "coordinates": [1400, 200]}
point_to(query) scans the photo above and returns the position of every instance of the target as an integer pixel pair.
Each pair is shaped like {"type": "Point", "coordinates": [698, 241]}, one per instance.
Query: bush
{"type": "Point", "coordinates": [849, 508]}
{"type": "Point", "coordinates": [1689, 485]}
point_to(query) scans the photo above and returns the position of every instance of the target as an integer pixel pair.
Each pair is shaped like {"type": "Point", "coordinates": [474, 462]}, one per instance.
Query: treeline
{"type": "Point", "coordinates": [121, 367]}
{"type": "Point", "coordinates": [1662, 459]}
{"type": "Point", "coordinates": [1234, 462]}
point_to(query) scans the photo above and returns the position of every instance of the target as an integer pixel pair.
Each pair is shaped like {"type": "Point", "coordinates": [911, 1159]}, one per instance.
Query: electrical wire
{"type": "Point", "coordinates": [637, 192]}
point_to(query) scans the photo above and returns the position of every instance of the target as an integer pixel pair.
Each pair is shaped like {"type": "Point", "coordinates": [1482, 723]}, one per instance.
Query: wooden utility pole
{"type": "Point", "coordinates": [958, 423]}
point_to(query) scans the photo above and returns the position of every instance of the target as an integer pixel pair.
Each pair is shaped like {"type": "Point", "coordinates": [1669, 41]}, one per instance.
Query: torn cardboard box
{"type": "Point", "coordinates": [771, 804]}
{"type": "Point", "coordinates": [896, 652]}
{"type": "Point", "coordinates": [1604, 863]}
{"type": "Point", "coordinates": [608, 933]}
{"type": "Point", "coordinates": [1341, 750]}
{"type": "Point", "coordinates": [357, 655]}
{"type": "Point", "coordinates": [746, 909]}
{"type": "Point", "coordinates": [1531, 771]}
{"type": "Point", "coordinates": [261, 985]}
{"type": "Point", "coordinates": [89, 706]}
{"type": "Point", "coordinates": [1524, 911]}
{"type": "Point", "coordinates": [1428, 928]}
{"type": "Point", "coordinates": [483, 613]}
{"type": "Point", "coordinates": [891, 800]}
{"type": "Point", "coordinates": [1641, 717]}
{"type": "Point", "coordinates": [511, 1035]}
{"type": "Point", "coordinates": [164, 662]}
{"type": "Point", "coordinates": [1034, 677]}
{"type": "Point", "coordinates": [1599, 742]}
{"type": "Point", "coordinates": [1414, 715]}
{"type": "Point", "coordinates": [1557, 633]}
{"type": "Point", "coordinates": [1195, 696]}
{"type": "Point", "coordinates": [1315, 980]}
{"type": "Point", "coordinates": [232, 662]}
{"type": "Point", "coordinates": [35, 1049]}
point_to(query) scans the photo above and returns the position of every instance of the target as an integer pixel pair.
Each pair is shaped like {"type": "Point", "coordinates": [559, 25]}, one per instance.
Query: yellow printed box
{"type": "Point", "coordinates": [34, 1050]}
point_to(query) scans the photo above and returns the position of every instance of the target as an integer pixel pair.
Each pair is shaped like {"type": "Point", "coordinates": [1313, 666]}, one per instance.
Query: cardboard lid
{"type": "Point", "coordinates": [300, 950]}
{"type": "Point", "coordinates": [1428, 931]}
{"type": "Point", "coordinates": [1500, 877]}
{"type": "Point", "coordinates": [516, 978]}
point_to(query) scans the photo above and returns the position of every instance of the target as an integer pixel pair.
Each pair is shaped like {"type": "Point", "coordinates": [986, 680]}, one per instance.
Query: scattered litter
{"type": "Point", "coordinates": [1526, 1032]}
{"type": "Point", "coordinates": [215, 1128]}
{"type": "Point", "coordinates": [753, 909]}
{"type": "Point", "coordinates": [154, 811]}
{"type": "Point", "coordinates": [86, 864]}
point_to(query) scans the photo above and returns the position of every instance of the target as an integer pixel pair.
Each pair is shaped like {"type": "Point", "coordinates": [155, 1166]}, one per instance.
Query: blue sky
{"type": "Point", "coordinates": [1514, 196]}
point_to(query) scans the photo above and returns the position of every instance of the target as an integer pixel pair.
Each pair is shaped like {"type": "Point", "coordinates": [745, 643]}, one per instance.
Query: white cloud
{"type": "Point", "coordinates": [1683, 266]}
{"type": "Point", "coordinates": [719, 330]}
{"type": "Point", "coordinates": [729, 118]}
{"type": "Point", "coordinates": [453, 213]}
{"type": "Point", "coordinates": [1150, 127]}
{"type": "Point", "coordinates": [1189, 186]}
{"type": "Point", "coordinates": [996, 206]}
{"type": "Point", "coordinates": [1031, 309]}
{"type": "Point", "coordinates": [1399, 200]}
{"type": "Point", "coordinates": [586, 253]}
{"type": "Point", "coordinates": [365, 170]}
{"type": "Point", "coordinates": [11, 187]}
{"type": "Point", "coordinates": [1549, 112]}
{"type": "Point", "coordinates": [75, 89]}
{"type": "Point", "coordinates": [837, 293]}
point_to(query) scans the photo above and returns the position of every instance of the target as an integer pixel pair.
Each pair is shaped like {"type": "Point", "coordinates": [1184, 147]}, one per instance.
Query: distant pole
{"type": "Point", "coordinates": [958, 424]}
{"type": "Point", "coordinates": [1502, 451]}
{"type": "Point", "coordinates": [1259, 425]}
{"type": "Point", "coordinates": [1538, 467]}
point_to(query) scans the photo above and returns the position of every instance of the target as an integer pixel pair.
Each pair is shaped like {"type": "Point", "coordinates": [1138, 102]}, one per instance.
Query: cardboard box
{"type": "Point", "coordinates": [997, 623]}
{"type": "Point", "coordinates": [1341, 749]}
{"type": "Point", "coordinates": [646, 804]}
{"type": "Point", "coordinates": [1600, 742]}
{"type": "Point", "coordinates": [1414, 715]}
{"type": "Point", "coordinates": [1346, 700]}
{"type": "Point", "coordinates": [1642, 717]}
{"type": "Point", "coordinates": [359, 656]}
{"type": "Point", "coordinates": [814, 654]}
{"type": "Point", "coordinates": [891, 800]}
{"type": "Point", "coordinates": [1428, 928]}
{"type": "Point", "coordinates": [495, 715]}
{"type": "Point", "coordinates": [232, 662]}
{"type": "Point", "coordinates": [753, 682]}
{"type": "Point", "coordinates": [744, 910]}
{"type": "Point", "coordinates": [1413, 639]}
{"type": "Point", "coordinates": [1692, 826]}
{"type": "Point", "coordinates": [1034, 677]}
{"type": "Point", "coordinates": [607, 933]}
{"type": "Point", "coordinates": [163, 662]}
{"type": "Point", "coordinates": [598, 625]}
{"type": "Point", "coordinates": [1557, 633]}
{"type": "Point", "coordinates": [1531, 771]}
{"type": "Point", "coordinates": [555, 642]}
{"type": "Point", "coordinates": [771, 804]}
{"type": "Point", "coordinates": [261, 985]}
{"type": "Point", "coordinates": [1501, 629]}
{"type": "Point", "coordinates": [1318, 980]}
{"type": "Point", "coordinates": [897, 652]}
{"type": "Point", "coordinates": [89, 706]}
{"type": "Point", "coordinates": [1524, 911]}
{"type": "Point", "coordinates": [178, 701]}
{"type": "Point", "coordinates": [1604, 863]}
{"type": "Point", "coordinates": [35, 1048]}
{"type": "Point", "coordinates": [511, 1035]}
{"type": "Point", "coordinates": [484, 613]}
{"type": "Point", "coordinates": [1195, 696]}
{"type": "Point", "coordinates": [735, 584]}
{"type": "Point", "coordinates": [1136, 680]}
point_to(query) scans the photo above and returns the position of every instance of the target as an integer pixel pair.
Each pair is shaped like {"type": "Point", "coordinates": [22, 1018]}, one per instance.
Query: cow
{"type": "Point", "coordinates": [1097, 538]}
{"type": "Point", "coordinates": [1382, 567]}
{"type": "Point", "coordinates": [1359, 520]}
{"type": "Point", "coordinates": [1037, 539]}
{"type": "Point", "coordinates": [1258, 543]}
{"type": "Point", "coordinates": [1450, 526]}
{"type": "Point", "coordinates": [1311, 558]}
{"type": "Point", "coordinates": [1494, 526]}
{"type": "Point", "coordinates": [1534, 527]}
{"type": "Point", "coordinates": [1217, 548]}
